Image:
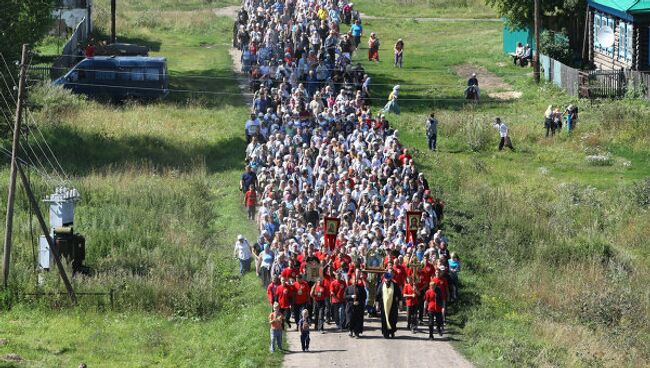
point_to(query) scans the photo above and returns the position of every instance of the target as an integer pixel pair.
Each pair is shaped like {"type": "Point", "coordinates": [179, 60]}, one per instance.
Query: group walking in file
{"type": "Point", "coordinates": [349, 228]}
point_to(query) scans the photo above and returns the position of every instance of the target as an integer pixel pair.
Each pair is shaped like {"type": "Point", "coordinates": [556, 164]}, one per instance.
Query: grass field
{"type": "Point", "coordinates": [554, 250]}
{"type": "Point", "coordinates": [159, 210]}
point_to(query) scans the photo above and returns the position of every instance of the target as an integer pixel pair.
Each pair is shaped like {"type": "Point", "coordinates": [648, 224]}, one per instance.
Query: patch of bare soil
{"type": "Point", "coordinates": [11, 357]}
{"type": "Point", "coordinates": [491, 84]}
{"type": "Point", "coordinates": [228, 11]}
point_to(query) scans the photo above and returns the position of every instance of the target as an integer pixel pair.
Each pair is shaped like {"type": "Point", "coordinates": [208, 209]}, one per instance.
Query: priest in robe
{"type": "Point", "coordinates": [388, 297]}
{"type": "Point", "coordinates": [355, 299]}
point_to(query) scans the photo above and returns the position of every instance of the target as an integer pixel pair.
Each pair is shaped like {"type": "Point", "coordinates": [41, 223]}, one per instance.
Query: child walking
{"type": "Point", "coordinates": [276, 319]}
{"type": "Point", "coordinates": [303, 327]}
{"type": "Point", "coordinates": [250, 201]}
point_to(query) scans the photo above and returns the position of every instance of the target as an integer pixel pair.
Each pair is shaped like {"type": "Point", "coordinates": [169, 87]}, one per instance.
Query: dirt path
{"type": "Point", "coordinates": [337, 349]}
{"type": "Point", "coordinates": [490, 83]}
{"type": "Point", "coordinates": [235, 55]}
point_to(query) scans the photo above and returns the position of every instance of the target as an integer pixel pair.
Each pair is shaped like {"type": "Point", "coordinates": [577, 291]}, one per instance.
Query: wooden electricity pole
{"type": "Point", "coordinates": [12, 176]}
{"type": "Point", "coordinates": [113, 6]}
{"type": "Point", "coordinates": [538, 21]}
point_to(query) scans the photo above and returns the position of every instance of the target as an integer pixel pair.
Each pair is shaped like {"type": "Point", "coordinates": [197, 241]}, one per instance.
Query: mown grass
{"type": "Point", "coordinates": [160, 211]}
{"type": "Point", "coordinates": [554, 267]}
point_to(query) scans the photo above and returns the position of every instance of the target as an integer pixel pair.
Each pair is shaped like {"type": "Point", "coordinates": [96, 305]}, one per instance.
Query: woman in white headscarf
{"type": "Point", "coordinates": [391, 105]}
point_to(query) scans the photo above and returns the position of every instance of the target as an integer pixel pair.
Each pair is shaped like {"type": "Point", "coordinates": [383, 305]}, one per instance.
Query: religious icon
{"type": "Point", "coordinates": [414, 223]}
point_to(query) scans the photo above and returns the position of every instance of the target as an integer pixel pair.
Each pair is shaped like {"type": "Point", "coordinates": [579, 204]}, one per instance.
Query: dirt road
{"type": "Point", "coordinates": [337, 349]}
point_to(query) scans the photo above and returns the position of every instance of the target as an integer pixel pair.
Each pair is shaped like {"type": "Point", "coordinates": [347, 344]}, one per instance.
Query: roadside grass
{"type": "Point", "coordinates": [426, 8]}
{"type": "Point", "coordinates": [160, 211]}
{"type": "Point", "coordinates": [553, 268]}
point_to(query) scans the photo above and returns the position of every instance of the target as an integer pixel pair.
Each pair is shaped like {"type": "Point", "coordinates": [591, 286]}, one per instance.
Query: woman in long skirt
{"type": "Point", "coordinates": [392, 105]}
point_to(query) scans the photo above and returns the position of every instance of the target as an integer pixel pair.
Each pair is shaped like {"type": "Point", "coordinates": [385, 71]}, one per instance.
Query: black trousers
{"type": "Point", "coordinates": [507, 142]}
{"type": "Point", "coordinates": [412, 317]}
{"type": "Point", "coordinates": [437, 316]}
{"type": "Point", "coordinates": [297, 311]}
{"type": "Point", "coordinates": [304, 340]}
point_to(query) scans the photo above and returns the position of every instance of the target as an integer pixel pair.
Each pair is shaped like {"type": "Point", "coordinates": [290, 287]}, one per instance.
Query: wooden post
{"type": "Point", "coordinates": [538, 21]}
{"type": "Point", "coordinates": [12, 177]}
{"type": "Point", "coordinates": [113, 6]}
{"type": "Point", "coordinates": [46, 232]}
{"type": "Point", "coordinates": [585, 38]}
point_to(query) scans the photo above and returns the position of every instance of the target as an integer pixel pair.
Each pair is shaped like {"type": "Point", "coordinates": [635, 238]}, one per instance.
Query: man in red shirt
{"type": "Point", "coordinates": [319, 294]}
{"type": "Point", "coordinates": [405, 157]}
{"type": "Point", "coordinates": [271, 293]}
{"type": "Point", "coordinates": [424, 276]}
{"type": "Point", "coordinates": [301, 297]}
{"type": "Point", "coordinates": [250, 201]}
{"type": "Point", "coordinates": [433, 301]}
{"type": "Point", "coordinates": [443, 284]}
{"type": "Point", "coordinates": [90, 49]}
{"type": "Point", "coordinates": [291, 273]}
{"type": "Point", "coordinates": [337, 291]}
{"type": "Point", "coordinates": [284, 293]}
{"type": "Point", "coordinates": [409, 294]}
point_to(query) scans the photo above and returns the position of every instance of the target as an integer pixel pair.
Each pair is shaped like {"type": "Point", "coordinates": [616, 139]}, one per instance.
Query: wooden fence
{"type": "Point", "coordinates": [594, 83]}
{"type": "Point", "coordinates": [561, 75]}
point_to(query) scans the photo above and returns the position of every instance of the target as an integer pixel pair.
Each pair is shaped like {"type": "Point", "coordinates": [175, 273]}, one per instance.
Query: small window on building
{"type": "Point", "coordinates": [610, 24]}
{"type": "Point", "coordinates": [629, 44]}
{"type": "Point", "coordinates": [597, 23]}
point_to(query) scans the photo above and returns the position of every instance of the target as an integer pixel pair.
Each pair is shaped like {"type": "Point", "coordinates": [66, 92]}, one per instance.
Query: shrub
{"type": "Point", "coordinates": [641, 192]}
{"type": "Point", "coordinates": [477, 133]}
{"type": "Point", "coordinates": [53, 102]}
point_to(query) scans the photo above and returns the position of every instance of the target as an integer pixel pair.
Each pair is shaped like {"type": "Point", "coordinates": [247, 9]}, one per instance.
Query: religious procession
{"type": "Point", "coordinates": [349, 228]}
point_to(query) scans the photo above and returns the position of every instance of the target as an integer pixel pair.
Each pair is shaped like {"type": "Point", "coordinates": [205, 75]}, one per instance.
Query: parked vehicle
{"type": "Point", "coordinates": [122, 49]}
{"type": "Point", "coordinates": [118, 78]}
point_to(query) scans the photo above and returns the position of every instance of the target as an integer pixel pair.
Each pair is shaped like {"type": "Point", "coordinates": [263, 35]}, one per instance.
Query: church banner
{"type": "Point", "coordinates": [412, 225]}
{"type": "Point", "coordinates": [332, 225]}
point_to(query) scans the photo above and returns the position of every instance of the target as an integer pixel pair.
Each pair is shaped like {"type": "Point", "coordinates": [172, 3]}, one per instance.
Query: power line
{"type": "Point", "coordinates": [447, 70]}
{"type": "Point", "coordinates": [36, 140]}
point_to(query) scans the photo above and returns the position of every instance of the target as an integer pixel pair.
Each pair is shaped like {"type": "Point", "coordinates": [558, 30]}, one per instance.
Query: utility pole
{"type": "Point", "coordinates": [113, 6]}
{"type": "Point", "coordinates": [12, 177]}
{"type": "Point", "coordinates": [53, 248]}
{"type": "Point", "coordinates": [538, 22]}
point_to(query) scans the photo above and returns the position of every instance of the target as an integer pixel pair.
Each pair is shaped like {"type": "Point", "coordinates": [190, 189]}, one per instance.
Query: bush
{"type": "Point", "coordinates": [477, 133]}
{"type": "Point", "coordinates": [641, 192]}
{"type": "Point", "coordinates": [53, 102]}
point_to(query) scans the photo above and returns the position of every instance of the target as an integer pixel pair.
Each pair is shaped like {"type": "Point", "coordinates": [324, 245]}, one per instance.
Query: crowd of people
{"type": "Point", "coordinates": [348, 226]}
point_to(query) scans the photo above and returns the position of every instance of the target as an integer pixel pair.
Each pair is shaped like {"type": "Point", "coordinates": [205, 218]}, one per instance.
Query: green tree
{"type": "Point", "coordinates": [21, 21]}
{"type": "Point", "coordinates": [519, 13]}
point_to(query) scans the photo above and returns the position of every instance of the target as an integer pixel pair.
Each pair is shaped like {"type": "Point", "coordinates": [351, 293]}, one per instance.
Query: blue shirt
{"type": "Point", "coordinates": [356, 30]}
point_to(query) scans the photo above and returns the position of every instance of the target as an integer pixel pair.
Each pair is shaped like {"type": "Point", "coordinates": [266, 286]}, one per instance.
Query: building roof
{"type": "Point", "coordinates": [625, 6]}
